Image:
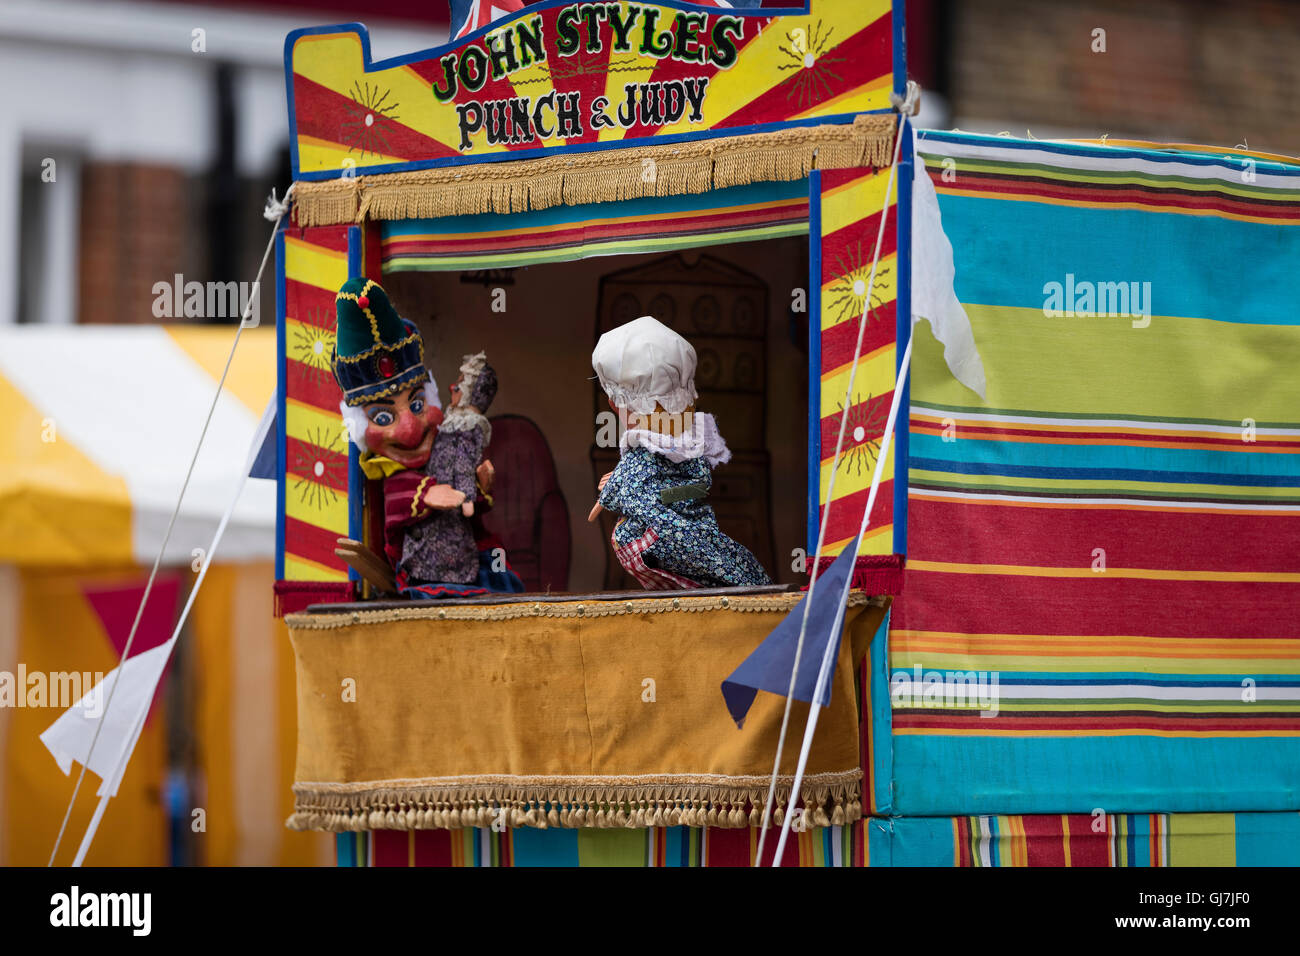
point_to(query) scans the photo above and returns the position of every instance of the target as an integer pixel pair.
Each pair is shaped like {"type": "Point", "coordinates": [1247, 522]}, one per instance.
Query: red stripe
{"type": "Point", "coordinates": [727, 847]}
{"type": "Point", "coordinates": [1044, 840]}
{"type": "Point", "coordinates": [852, 247]}
{"type": "Point", "coordinates": [432, 847]}
{"type": "Point", "coordinates": [1012, 604]}
{"type": "Point", "coordinates": [963, 842]}
{"type": "Point", "coordinates": [313, 386]}
{"type": "Point", "coordinates": [846, 512]}
{"type": "Point", "coordinates": [871, 414]}
{"type": "Point", "coordinates": [337, 118]}
{"type": "Point", "coordinates": [390, 847]}
{"type": "Point", "coordinates": [976, 183]}
{"type": "Point", "coordinates": [839, 341]}
{"type": "Point", "coordinates": [851, 62]}
{"type": "Point", "coordinates": [968, 533]}
{"type": "Point", "coordinates": [312, 542]}
{"type": "Point", "coordinates": [1087, 847]}
{"type": "Point", "coordinates": [332, 238]}
{"type": "Point", "coordinates": [302, 457]}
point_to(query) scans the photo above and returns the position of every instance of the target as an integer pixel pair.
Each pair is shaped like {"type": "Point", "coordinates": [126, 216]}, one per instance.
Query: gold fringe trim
{"type": "Point", "coordinates": [429, 610]}
{"type": "Point", "coordinates": [452, 803]}
{"type": "Point", "coordinates": [601, 176]}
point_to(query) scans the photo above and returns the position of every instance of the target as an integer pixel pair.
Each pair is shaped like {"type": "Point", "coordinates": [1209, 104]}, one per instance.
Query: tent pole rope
{"type": "Point", "coordinates": [823, 673]}
{"type": "Point", "coordinates": [826, 512]}
{"type": "Point", "coordinates": [276, 209]}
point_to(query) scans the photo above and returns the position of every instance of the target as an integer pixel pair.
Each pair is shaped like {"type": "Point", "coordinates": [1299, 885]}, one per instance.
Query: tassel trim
{"type": "Point", "coordinates": [421, 611]}
{"type": "Point", "coordinates": [872, 573]}
{"type": "Point", "coordinates": [570, 802]}
{"type": "Point", "coordinates": [602, 176]}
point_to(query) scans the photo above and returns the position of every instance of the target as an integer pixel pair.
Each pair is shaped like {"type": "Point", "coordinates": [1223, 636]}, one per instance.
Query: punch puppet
{"type": "Point", "coordinates": [393, 414]}
{"type": "Point", "coordinates": [668, 536]}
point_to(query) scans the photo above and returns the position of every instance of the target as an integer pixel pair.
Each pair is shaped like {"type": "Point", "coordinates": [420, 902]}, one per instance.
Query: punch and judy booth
{"type": "Point", "coordinates": [745, 177]}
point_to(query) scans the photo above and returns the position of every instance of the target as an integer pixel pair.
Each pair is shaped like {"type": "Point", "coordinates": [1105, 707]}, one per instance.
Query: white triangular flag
{"type": "Point", "coordinates": [933, 272]}
{"type": "Point", "coordinates": [70, 736]}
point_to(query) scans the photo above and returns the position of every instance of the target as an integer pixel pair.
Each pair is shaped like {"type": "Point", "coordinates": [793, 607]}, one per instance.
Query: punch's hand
{"type": "Point", "coordinates": [595, 512]}
{"type": "Point", "coordinates": [485, 474]}
{"type": "Point", "coordinates": [467, 509]}
{"type": "Point", "coordinates": [444, 497]}
{"type": "Point", "coordinates": [604, 481]}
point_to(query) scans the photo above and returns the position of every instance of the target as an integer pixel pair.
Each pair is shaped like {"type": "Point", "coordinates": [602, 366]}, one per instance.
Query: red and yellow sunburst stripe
{"type": "Point", "coordinates": [316, 453]}
{"type": "Point", "coordinates": [835, 60]}
{"type": "Point", "coordinates": [852, 201]}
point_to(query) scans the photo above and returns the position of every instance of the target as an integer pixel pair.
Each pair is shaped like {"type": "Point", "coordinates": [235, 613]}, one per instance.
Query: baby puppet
{"type": "Point", "coordinates": [443, 549]}
{"type": "Point", "coordinates": [668, 536]}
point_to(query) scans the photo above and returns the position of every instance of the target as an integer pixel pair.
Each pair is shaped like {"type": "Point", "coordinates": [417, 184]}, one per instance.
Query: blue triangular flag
{"type": "Point", "coordinates": [768, 667]}
{"type": "Point", "coordinates": [263, 464]}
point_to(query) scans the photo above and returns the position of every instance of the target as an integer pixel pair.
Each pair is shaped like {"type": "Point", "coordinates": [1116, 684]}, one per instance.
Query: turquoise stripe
{"type": "Point", "coordinates": [1178, 461]}
{"type": "Point", "coordinates": [917, 841]}
{"type": "Point", "coordinates": [948, 776]}
{"type": "Point", "coordinates": [1198, 266]}
{"type": "Point", "coordinates": [550, 847]}
{"type": "Point", "coordinates": [882, 738]}
{"type": "Point", "coordinates": [1268, 839]}
{"type": "Point", "coordinates": [651, 208]}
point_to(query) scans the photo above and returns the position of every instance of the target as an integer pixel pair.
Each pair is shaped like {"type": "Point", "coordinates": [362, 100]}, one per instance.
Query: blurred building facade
{"type": "Point", "coordinates": [1189, 71]}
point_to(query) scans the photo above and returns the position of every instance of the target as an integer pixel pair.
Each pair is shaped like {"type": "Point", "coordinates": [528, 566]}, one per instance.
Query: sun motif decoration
{"type": "Point", "coordinates": [849, 291]}
{"type": "Point", "coordinates": [320, 470]}
{"type": "Point", "coordinates": [862, 436]}
{"type": "Point", "coordinates": [814, 71]}
{"type": "Point", "coordinates": [313, 342]}
{"type": "Point", "coordinates": [369, 119]}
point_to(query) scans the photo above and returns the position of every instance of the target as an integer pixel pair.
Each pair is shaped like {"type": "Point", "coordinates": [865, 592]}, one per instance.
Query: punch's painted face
{"type": "Point", "coordinates": [402, 428]}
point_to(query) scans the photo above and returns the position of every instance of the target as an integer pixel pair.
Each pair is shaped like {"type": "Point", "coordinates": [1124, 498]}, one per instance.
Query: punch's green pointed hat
{"type": "Point", "coordinates": [376, 351]}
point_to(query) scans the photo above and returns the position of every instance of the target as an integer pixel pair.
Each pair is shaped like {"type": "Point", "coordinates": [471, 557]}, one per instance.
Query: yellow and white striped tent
{"type": "Point", "coordinates": [100, 423]}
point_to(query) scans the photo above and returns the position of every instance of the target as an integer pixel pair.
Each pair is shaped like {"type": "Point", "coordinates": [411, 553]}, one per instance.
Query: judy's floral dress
{"type": "Point", "coordinates": [668, 536]}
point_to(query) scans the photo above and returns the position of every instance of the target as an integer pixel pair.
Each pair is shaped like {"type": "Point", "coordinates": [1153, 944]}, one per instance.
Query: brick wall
{"type": "Point", "coordinates": [1174, 70]}
{"type": "Point", "coordinates": [134, 223]}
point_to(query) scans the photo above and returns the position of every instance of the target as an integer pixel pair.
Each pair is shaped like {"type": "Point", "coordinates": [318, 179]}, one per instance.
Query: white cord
{"type": "Point", "coordinates": [912, 98]}
{"type": "Point", "coordinates": [280, 208]}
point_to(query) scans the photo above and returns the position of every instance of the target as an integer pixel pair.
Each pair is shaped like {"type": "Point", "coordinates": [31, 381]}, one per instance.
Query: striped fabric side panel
{"type": "Point", "coordinates": [567, 233]}
{"type": "Point", "coordinates": [654, 847]}
{"type": "Point", "coordinates": [851, 202]}
{"type": "Point", "coordinates": [1104, 556]}
{"type": "Point", "coordinates": [316, 452]}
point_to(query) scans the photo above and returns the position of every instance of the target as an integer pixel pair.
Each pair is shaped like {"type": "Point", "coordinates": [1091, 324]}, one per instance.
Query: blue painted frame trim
{"type": "Point", "coordinates": [370, 66]}
{"type": "Point", "coordinates": [281, 439]}
{"type": "Point", "coordinates": [903, 317]}
{"type": "Point", "coordinates": [356, 480]}
{"type": "Point", "coordinates": [898, 12]}
{"type": "Point", "coordinates": [814, 359]}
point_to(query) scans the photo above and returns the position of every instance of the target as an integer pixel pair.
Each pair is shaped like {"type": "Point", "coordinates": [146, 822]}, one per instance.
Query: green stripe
{"type": "Point", "coordinates": [1105, 365]}
{"type": "Point", "coordinates": [1099, 489]}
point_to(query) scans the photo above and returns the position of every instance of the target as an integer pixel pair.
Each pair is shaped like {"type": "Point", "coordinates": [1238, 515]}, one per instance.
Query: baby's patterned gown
{"type": "Point", "coordinates": [442, 548]}
{"type": "Point", "coordinates": [673, 543]}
